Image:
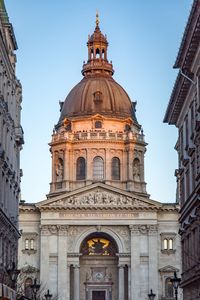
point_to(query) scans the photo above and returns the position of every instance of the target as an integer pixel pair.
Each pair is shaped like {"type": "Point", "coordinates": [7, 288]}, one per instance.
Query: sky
{"type": "Point", "coordinates": [144, 38]}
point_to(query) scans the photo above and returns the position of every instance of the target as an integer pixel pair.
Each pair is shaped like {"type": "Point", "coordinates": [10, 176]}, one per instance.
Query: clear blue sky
{"type": "Point", "coordinates": [144, 38]}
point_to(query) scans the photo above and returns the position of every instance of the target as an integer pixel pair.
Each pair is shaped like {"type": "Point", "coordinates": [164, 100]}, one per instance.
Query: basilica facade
{"type": "Point", "coordinates": [98, 235]}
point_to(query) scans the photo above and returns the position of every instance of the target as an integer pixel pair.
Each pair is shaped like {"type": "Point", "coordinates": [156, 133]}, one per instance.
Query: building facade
{"type": "Point", "coordinates": [11, 139]}
{"type": "Point", "coordinates": [184, 112]}
{"type": "Point", "coordinates": [98, 235]}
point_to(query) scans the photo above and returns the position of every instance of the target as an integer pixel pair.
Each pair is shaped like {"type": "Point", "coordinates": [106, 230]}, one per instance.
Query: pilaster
{"type": "Point", "coordinates": [76, 282]}
{"type": "Point", "coordinates": [153, 258]}
{"type": "Point", "coordinates": [62, 262]}
{"type": "Point", "coordinates": [135, 262]}
{"type": "Point", "coordinates": [44, 255]}
{"type": "Point", "coordinates": [121, 282]}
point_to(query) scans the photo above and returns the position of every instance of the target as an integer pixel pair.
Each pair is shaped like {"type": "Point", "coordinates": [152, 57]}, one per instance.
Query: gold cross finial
{"type": "Point", "coordinates": [97, 18]}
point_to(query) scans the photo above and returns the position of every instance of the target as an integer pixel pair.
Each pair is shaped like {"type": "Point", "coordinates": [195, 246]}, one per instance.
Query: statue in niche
{"type": "Point", "coordinates": [136, 170]}
{"type": "Point", "coordinates": [59, 169]}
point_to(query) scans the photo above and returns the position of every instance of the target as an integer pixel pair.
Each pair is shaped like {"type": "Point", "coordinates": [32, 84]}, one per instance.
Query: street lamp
{"type": "Point", "coordinates": [35, 287]}
{"type": "Point", "coordinates": [13, 273]}
{"type": "Point", "coordinates": [48, 296]}
{"type": "Point", "coordinates": [151, 295]}
{"type": "Point", "coordinates": [175, 282]}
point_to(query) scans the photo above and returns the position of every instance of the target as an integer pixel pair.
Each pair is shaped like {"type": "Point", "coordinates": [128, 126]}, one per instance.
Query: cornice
{"type": "Point", "coordinates": [190, 40]}
{"type": "Point", "coordinates": [8, 224]}
{"type": "Point", "coordinates": [103, 208]}
{"type": "Point", "coordinates": [28, 207]}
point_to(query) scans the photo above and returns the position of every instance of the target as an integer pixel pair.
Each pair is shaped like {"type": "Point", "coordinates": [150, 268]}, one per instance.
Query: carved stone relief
{"type": "Point", "coordinates": [99, 198]}
{"type": "Point", "coordinates": [123, 232]}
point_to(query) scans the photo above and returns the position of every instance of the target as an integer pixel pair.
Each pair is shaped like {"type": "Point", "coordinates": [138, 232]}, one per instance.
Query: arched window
{"type": "Point", "coordinates": [26, 244]}
{"type": "Point", "coordinates": [115, 168]}
{"type": "Point", "coordinates": [168, 288]}
{"type": "Point", "coordinates": [98, 168]}
{"type": "Point", "coordinates": [98, 124]}
{"type": "Point", "coordinates": [27, 288]}
{"type": "Point", "coordinates": [80, 168]}
{"type": "Point", "coordinates": [170, 244]}
{"type": "Point", "coordinates": [165, 244]}
{"type": "Point", "coordinates": [32, 244]}
{"type": "Point", "coordinates": [97, 53]}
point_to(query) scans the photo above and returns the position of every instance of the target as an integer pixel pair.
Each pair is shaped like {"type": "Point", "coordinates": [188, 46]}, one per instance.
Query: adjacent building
{"type": "Point", "coordinates": [98, 235]}
{"type": "Point", "coordinates": [184, 112]}
{"type": "Point", "coordinates": [11, 140]}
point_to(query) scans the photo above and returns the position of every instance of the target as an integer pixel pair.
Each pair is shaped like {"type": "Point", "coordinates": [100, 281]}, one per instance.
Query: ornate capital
{"type": "Point", "coordinates": [153, 229]}
{"type": "Point", "coordinates": [53, 229]}
{"type": "Point", "coordinates": [63, 229]}
{"type": "Point", "coordinates": [44, 229]}
{"type": "Point", "coordinates": [134, 229]}
{"type": "Point", "coordinates": [144, 229]}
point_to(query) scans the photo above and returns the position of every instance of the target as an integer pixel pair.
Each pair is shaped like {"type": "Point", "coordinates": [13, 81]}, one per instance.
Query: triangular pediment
{"type": "Point", "coordinates": [99, 196]}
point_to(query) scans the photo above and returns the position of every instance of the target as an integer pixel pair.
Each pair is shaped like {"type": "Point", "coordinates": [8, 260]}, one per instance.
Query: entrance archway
{"type": "Point", "coordinates": [98, 267]}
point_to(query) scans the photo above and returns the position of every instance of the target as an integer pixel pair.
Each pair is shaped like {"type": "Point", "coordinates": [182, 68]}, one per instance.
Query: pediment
{"type": "Point", "coordinates": [99, 196]}
{"type": "Point", "coordinates": [168, 269]}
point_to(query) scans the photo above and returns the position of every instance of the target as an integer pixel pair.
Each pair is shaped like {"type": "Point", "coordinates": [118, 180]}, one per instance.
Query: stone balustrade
{"type": "Point", "coordinates": [97, 135]}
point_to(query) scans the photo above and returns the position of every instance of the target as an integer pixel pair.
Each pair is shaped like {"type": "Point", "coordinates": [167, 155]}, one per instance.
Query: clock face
{"type": "Point", "coordinates": [99, 276]}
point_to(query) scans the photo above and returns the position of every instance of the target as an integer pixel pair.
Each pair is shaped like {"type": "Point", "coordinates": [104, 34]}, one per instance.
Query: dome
{"type": "Point", "coordinates": [102, 95]}
{"type": "Point", "coordinates": [97, 92]}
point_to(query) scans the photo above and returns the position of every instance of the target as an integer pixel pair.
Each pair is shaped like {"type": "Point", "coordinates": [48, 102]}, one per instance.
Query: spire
{"type": "Point", "coordinates": [97, 19]}
{"type": "Point", "coordinates": [97, 54]}
{"type": "Point", "coordinates": [3, 13]}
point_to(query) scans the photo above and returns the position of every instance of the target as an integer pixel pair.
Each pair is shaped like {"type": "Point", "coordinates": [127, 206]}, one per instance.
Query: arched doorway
{"type": "Point", "coordinates": [98, 267]}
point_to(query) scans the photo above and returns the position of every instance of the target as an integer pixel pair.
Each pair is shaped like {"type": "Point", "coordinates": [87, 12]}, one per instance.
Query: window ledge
{"type": "Point", "coordinates": [171, 251]}
{"type": "Point", "coordinates": [28, 251]}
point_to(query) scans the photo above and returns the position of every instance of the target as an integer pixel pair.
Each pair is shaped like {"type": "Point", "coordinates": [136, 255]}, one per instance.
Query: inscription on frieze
{"type": "Point", "coordinates": [98, 215]}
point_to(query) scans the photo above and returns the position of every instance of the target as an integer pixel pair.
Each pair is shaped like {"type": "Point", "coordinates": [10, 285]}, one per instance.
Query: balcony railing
{"type": "Point", "coordinates": [93, 135]}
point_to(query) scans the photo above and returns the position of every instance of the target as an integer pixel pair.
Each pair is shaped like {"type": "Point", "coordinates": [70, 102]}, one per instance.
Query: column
{"type": "Point", "coordinates": [129, 282]}
{"type": "Point", "coordinates": [135, 262]}
{"type": "Point", "coordinates": [153, 259]}
{"type": "Point", "coordinates": [76, 282]}
{"type": "Point", "coordinates": [44, 255]}
{"type": "Point", "coordinates": [121, 282]}
{"type": "Point", "coordinates": [62, 262]}
{"type": "Point", "coordinates": [68, 282]}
